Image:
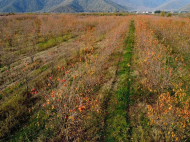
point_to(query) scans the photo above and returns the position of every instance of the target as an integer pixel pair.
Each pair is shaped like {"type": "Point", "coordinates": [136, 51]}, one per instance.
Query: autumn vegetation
{"type": "Point", "coordinates": [75, 77]}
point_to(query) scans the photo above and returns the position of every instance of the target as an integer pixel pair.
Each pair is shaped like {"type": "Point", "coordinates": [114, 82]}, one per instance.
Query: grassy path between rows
{"type": "Point", "coordinates": [117, 122]}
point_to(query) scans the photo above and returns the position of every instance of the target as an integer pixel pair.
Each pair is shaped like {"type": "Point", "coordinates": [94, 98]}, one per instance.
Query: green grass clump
{"type": "Point", "coordinates": [1, 65]}
{"type": "Point", "coordinates": [42, 69]}
{"type": "Point", "coordinates": [36, 126]}
{"type": "Point", "coordinates": [53, 42]}
{"type": "Point", "coordinates": [13, 113]}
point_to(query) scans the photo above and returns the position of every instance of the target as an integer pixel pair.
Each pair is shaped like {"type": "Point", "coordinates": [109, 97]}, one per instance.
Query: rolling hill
{"type": "Point", "coordinates": [186, 8]}
{"type": "Point", "coordinates": [154, 4]}
{"type": "Point", "coordinates": [140, 4]}
{"type": "Point", "coordinates": [60, 6]}
{"type": "Point", "coordinates": [173, 5]}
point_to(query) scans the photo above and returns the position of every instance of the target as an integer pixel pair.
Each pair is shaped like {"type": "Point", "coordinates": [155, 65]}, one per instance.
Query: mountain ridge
{"type": "Point", "coordinates": [60, 6]}
{"type": "Point", "coordinates": [72, 6]}
{"type": "Point", "coordinates": [89, 6]}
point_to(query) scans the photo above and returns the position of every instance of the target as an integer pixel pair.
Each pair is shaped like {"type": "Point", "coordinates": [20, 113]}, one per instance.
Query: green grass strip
{"type": "Point", "coordinates": [53, 42]}
{"type": "Point", "coordinates": [118, 122]}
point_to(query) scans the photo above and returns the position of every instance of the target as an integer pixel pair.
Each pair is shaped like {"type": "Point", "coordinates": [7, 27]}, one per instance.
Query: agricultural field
{"type": "Point", "coordinates": [89, 78]}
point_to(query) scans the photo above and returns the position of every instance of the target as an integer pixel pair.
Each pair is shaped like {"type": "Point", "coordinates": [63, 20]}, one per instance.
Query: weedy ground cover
{"type": "Point", "coordinates": [92, 77]}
